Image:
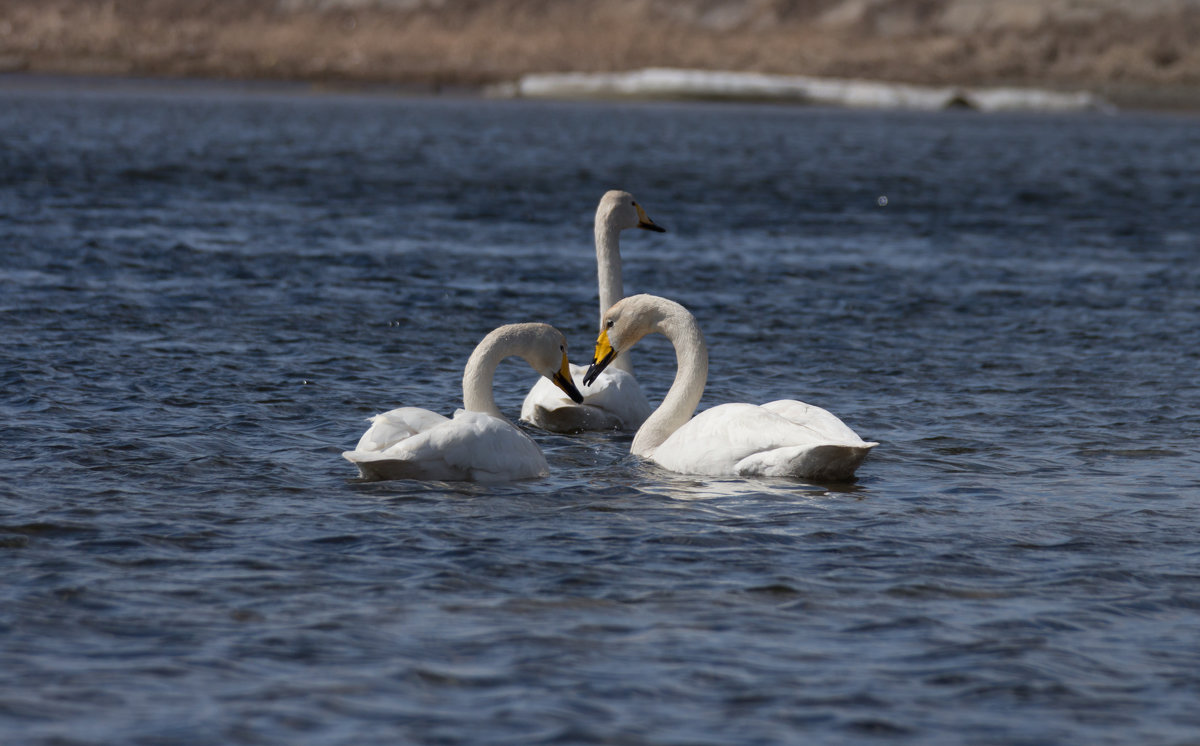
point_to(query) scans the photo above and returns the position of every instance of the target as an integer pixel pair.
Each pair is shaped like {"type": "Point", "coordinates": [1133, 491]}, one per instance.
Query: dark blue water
{"type": "Point", "coordinates": [204, 293]}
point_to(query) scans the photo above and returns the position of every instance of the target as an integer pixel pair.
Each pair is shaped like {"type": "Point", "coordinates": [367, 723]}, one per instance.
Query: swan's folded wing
{"type": "Point", "coordinates": [822, 463]}
{"type": "Point", "coordinates": [481, 447]}
{"type": "Point", "coordinates": [748, 440]}
{"type": "Point", "coordinates": [472, 446]}
{"type": "Point", "coordinates": [820, 421]}
{"type": "Point", "coordinates": [492, 449]}
{"type": "Point", "coordinates": [389, 428]}
{"type": "Point", "coordinates": [617, 392]}
{"type": "Point", "coordinates": [375, 454]}
{"type": "Point", "coordinates": [714, 441]}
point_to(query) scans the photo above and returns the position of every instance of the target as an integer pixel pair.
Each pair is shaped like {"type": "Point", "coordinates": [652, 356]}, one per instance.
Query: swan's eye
{"type": "Point", "coordinates": [562, 348]}
{"type": "Point", "coordinates": [608, 324]}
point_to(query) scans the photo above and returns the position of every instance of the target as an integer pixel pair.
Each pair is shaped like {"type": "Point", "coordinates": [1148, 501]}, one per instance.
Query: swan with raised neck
{"type": "Point", "coordinates": [783, 438]}
{"type": "Point", "coordinates": [617, 211]}
{"type": "Point", "coordinates": [627, 322]}
{"type": "Point", "coordinates": [616, 401]}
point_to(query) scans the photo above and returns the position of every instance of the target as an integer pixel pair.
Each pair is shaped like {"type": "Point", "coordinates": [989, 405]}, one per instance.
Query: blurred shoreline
{"type": "Point", "coordinates": [1136, 56]}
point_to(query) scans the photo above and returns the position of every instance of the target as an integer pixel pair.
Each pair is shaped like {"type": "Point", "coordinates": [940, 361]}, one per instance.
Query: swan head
{"type": "Point", "coordinates": [605, 354]}
{"type": "Point", "coordinates": [562, 379]}
{"type": "Point", "coordinates": [624, 324]}
{"type": "Point", "coordinates": [620, 210]}
{"type": "Point", "coordinates": [548, 356]}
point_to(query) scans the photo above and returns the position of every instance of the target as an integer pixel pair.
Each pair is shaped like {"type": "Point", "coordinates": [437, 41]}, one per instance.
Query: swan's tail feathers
{"type": "Point", "coordinates": [822, 463]}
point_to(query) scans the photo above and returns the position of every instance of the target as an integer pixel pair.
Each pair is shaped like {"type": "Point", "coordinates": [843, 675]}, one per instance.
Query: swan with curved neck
{"type": "Point", "coordinates": [784, 438]}
{"type": "Point", "coordinates": [614, 401]}
{"type": "Point", "coordinates": [478, 443]}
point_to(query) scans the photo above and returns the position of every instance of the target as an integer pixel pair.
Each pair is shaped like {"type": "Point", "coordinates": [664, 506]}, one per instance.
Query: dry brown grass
{"type": "Point", "coordinates": [1097, 44]}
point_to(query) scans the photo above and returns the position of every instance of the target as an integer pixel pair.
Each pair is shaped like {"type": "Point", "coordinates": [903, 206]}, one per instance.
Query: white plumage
{"type": "Point", "coordinates": [478, 444]}
{"type": "Point", "coordinates": [414, 443]}
{"type": "Point", "coordinates": [784, 438]}
{"type": "Point", "coordinates": [614, 401]}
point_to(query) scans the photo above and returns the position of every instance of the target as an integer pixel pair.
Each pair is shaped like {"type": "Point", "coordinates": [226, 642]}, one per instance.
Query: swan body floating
{"type": "Point", "coordinates": [478, 444]}
{"type": "Point", "coordinates": [784, 438]}
{"type": "Point", "coordinates": [614, 401]}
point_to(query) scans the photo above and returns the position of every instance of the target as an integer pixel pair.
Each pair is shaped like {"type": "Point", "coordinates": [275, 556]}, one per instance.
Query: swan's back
{"type": "Point", "coordinates": [822, 422]}
{"type": "Point", "coordinates": [784, 439]}
{"type": "Point", "coordinates": [619, 393]}
{"type": "Point", "coordinates": [473, 446]}
{"type": "Point", "coordinates": [389, 428]}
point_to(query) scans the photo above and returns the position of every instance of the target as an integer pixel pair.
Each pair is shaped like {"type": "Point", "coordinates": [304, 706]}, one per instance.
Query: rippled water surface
{"type": "Point", "coordinates": [204, 293]}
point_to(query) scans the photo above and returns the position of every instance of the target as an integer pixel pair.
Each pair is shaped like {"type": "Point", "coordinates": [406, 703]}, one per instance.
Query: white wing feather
{"type": "Point", "coordinates": [783, 438]}
{"type": "Point", "coordinates": [472, 446]}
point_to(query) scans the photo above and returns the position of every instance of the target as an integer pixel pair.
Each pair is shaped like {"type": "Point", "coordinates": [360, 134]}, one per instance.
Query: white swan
{"type": "Point", "coordinates": [478, 444]}
{"type": "Point", "coordinates": [614, 401]}
{"type": "Point", "coordinates": [783, 438]}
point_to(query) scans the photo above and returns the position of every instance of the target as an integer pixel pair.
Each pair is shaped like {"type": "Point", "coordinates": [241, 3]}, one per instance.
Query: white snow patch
{"type": "Point", "coordinates": [863, 94]}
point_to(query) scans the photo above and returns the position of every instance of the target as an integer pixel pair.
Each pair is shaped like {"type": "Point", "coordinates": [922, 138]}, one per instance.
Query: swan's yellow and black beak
{"type": "Point", "coordinates": [604, 355]}
{"type": "Point", "coordinates": [645, 223]}
{"type": "Point", "coordinates": [563, 380]}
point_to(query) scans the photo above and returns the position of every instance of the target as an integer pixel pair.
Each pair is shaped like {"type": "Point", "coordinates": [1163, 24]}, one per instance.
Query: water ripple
{"type": "Point", "coordinates": [206, 294]}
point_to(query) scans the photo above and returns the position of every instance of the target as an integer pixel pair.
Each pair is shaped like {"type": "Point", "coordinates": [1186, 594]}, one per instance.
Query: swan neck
{"type": "Point", "coordinates": [478, 375]}
{"type": "Point", "coordinates": [608, 264]}
{"type": "Point", "coordinates": [608, 271]}
{"type": "Point", "coordinates": [691, 373]}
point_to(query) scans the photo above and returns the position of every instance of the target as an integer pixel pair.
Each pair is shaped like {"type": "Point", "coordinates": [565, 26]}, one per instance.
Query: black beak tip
{"type": "Point", "coordinates": [593, 371]}
{"type": "Point", "coordinates": [569, 387]}
{"type": "Point", "coordinates": [653, 227]}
